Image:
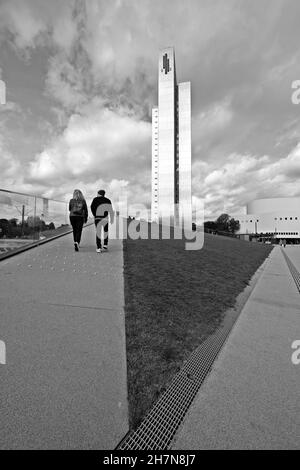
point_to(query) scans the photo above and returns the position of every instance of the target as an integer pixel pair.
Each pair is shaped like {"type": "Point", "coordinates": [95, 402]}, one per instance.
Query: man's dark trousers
{"type": "Point", "coordinates": [103, 226]}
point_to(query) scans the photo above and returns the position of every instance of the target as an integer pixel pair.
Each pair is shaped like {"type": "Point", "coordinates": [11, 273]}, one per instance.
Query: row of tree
{"type": "Point", "coordinates": [13, 228]}
{"type": "Point", "coordinates": [224, 223]}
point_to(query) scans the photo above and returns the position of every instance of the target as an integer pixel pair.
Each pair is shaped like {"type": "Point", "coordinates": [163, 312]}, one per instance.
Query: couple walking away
{"type": "Point", "coordinates": [101, 208]}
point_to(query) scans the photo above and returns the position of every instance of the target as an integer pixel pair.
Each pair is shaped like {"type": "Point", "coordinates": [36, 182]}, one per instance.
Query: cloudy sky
{"type": "Point", "coordinates": [81, 79]}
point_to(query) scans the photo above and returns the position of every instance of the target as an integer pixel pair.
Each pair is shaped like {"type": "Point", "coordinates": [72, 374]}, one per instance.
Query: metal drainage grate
{"type": "Point", "coordinates": [160, 425]}
{"type": "Point", "coordinates": [295, 273]}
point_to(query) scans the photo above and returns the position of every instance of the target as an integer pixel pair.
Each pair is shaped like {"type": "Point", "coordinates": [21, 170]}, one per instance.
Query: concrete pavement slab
{"type": "Point", "coordinates": [62, 319]}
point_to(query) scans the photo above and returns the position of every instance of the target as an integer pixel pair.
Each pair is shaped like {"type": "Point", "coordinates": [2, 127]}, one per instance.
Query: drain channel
{"type": "Point", "coordinates": [160, 425]}
{"type": "Point", "coordinates": [294, 272]}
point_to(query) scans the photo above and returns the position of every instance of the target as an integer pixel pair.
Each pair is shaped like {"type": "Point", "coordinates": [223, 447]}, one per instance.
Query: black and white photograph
{"type": "Point", "coordinates": [149, 228]}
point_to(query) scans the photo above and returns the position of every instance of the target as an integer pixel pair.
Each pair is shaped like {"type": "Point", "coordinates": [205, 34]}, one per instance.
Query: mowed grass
{"type": "Point", "coordinates": [174, 299]}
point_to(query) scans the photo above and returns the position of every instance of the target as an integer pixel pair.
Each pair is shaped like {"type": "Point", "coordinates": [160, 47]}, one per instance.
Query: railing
{"type": "Point", "coordinates": [221, 232]}
{"type": "Point", "coordinates": [26, 219]}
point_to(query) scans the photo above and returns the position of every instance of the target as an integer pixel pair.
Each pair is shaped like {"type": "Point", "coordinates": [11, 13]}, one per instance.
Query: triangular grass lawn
{"type": "Point", "coordinates": [174, 299]}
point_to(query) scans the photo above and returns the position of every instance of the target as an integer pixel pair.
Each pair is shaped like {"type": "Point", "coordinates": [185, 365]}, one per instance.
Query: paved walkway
{"type": "Point", "coordinates": [62, 320]}
{"type": "Point", "coordinates": [250, 400]}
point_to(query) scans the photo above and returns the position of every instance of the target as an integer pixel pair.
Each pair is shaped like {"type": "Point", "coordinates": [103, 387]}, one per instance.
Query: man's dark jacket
{"type": "Point", "coordinates": [101, 207]}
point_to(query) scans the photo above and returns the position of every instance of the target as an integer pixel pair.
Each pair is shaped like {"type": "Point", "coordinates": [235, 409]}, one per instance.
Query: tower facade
{"type": "Point", "coordinates": [171, 146]}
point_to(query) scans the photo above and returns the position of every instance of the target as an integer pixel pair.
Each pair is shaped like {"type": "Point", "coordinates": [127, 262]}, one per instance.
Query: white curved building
{"type": "Point", "coordinates": [277, 216]}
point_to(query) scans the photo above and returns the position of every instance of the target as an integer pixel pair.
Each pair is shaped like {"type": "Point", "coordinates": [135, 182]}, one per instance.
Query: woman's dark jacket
{"type": "Point", "coordinates": [73, 206]}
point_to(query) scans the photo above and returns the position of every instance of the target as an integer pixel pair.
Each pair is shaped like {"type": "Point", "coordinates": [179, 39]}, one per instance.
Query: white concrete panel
{"type": "Point", "coordinates": [184, 142]}
{"type": "Point", "coordinates": [276, 204]}
{"type": "Point", "coordinates": [154, 202]}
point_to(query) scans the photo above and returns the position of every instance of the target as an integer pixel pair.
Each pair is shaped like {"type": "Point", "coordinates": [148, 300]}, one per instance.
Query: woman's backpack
{"type": "Point", "coordinates": [78, 208]}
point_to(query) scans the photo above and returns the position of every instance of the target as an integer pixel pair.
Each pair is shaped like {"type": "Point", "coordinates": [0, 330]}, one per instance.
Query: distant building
{"type": "Point", "coordinates": [279, 217]}
{"type": "Point", "coordinates": [171, 145]}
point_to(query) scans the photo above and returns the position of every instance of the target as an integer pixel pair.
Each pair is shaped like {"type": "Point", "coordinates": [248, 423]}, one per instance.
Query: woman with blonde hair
{"type": "Point", "coordinates": [78, 215]}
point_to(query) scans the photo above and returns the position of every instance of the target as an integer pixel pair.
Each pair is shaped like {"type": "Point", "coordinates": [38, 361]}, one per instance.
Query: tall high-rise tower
{"type": "Point", "coordinates": [171, 145]}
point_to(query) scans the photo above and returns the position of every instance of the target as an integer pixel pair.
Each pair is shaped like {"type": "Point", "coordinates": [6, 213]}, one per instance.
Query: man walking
{"type": "Point", "coordinates": [101, 208]}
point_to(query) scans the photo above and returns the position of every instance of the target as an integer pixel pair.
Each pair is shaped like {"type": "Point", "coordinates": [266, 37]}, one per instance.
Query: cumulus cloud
{"type": "Point", "coordinates": [22, 23]}
{"type": "Point", "coordinates": [64, 82]}
{"type": "Point", "coordinates": [98, 143]}
{"type": "Point", "coordinates": [100, 77]}
{"type": "Point", "coordinates": [11, 168]}
{"type": "Point", "coordinates": [243, 178]}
